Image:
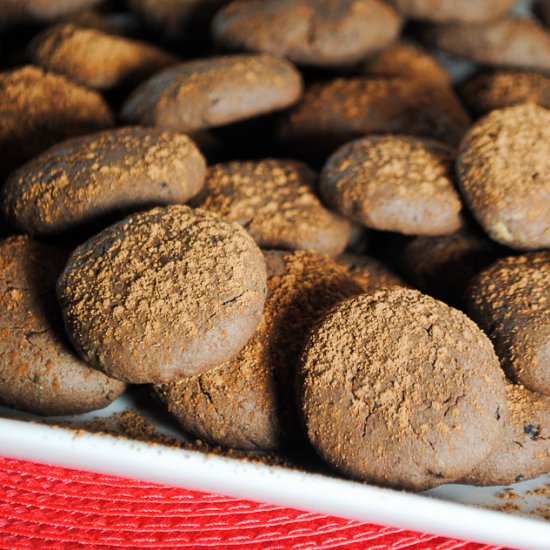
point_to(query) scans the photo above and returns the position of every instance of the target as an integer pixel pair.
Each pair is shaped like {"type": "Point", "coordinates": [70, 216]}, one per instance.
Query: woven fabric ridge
{"type": "Point", "coordinates": [50, 507]}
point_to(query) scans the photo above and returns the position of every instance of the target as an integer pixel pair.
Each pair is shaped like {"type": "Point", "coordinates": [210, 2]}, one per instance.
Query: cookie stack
{"type": "Point", "coordinates": [290, 221]}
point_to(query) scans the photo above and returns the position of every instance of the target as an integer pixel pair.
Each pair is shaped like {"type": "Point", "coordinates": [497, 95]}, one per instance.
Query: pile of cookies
{"type": "Point", "coordinates": [289, 221]}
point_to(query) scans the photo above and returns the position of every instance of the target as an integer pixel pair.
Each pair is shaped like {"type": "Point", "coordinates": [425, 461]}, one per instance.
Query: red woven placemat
{"type": "Point", "coordinates": [49, 507]}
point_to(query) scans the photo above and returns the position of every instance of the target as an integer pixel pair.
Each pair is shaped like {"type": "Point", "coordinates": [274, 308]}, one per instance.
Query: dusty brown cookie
{"type": "Point", "coordinates": [488, 91]}
{"type": "Point", "coordinates": [95, 58]}
{"type": "Point", "coordinates": [442, 11]}
{"type": "Point", "coordinates": [39, 109]}
{"type": "Point", "coordinates": [335, 112]}
{"type": "Point", "coordinates": [443, 266]}
{"type": "Point", "coordinates": [525, 451]}
{"type": "Point", "coordinates": [86, 182]}
{"type": "Point", "coordinates": [394, 183]}
{"type": "Point", "coordinates": [504, 171]}
{"type": "Point", "coordinates": [248, 403]}
{"type": "Point", "coordinates": [214, 91]}
{"type": "Point", "coordinates": [510, 301]}
{"type": "Point", "coordinates": [39, 371]}
{"type": "Point", "coordinates": [398, 389]}
{"type": "Point", "coordinates": [508, 42]}
{"type": "Point", "coordinates": [311, 32]}
{"type": "Point", "coordinates": [276, 202]}
{"type": "Point", "coordinates": [32, 11]}
{"type": "Point", "coordinates": [405, 60]}
{"type": "Point", "coordinates": [166, 293]}
{"type": "Point", "coordinates": [368, 272]}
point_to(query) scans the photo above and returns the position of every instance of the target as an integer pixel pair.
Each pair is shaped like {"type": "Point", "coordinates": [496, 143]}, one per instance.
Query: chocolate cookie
{"type": "Point", "coordinates": [39, 109]}
{"type": "Point", "coordinates": [442, 11]}
{"type": "Point", "coordinates": [486, 92]}
{"type": "Point", "coordinates": [335, 112]}
{"type": "Point", "coordinates": [405, 60]}
{"type": "Point", "coordinates": [525, 451]}
{"type": "Point", "coordinates": [39, 372]}
{"type": "Point", "coordinates": [368, 272]}
{"type": "Point", "coordinates": [248, 403]}
{"type": "Point", "coordinates": [32, 11]}
{"type": "Point", "coordinates": [504, 171]}
{"type": "Point", "coordinates": [510, 301]}
{"type": "Point", "coordinates": [166, 293]}
{"type": "Point", "coordinates": [276, 202]}
{"type": "Point", "coordinates": [86, 182]}
{"type": "Point", "coordinates": [97, 59]}
{"type": "Point", "coordinates": [398, 389]}
{"type": "Point", "coordinates": [508, 42]}
{"type": "Point", "coordinates": [214, 91]}
{"type": "Point", "coordinates": [394, 183]}
{"type": "Point", "coordinates": [443, 266]}
{"type": "Point", "coordinates": [311, 32]}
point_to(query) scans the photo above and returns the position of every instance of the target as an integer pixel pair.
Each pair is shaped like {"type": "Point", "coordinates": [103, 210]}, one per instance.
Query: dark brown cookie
{"type": "Point", "coordinates": [162, 294]}
{"type": "Point", "coordinates": [442, 11]}
{"type": "Point", "coordinates": [95, 58]}
{"type": "Point", "coordinates": [33, 11]}
{"type": "Point", "coordinates": [508, 42]}
{"type": "Point", "coordinates": [214, 91]}
{"type": "Point", "coordinates": [310, 32]}
{"type": "Point", "coordinates": [510, 301]}
{"type": "Point", "coordinates": [39, 371]}
{"type": "Point", "coordinates": [405, 60]}
{"type": "Point", "coordinates": [542, 10]}
{"type": "Point", "coordinates": [504, 171]}
{"type": "Point", "coordinates": [276, 202]}
{"type": "Point", "coordinates": [443, 266]}
{"type": "Point", "coordinates": [394, 183]}
{"type": "Point", "coordinates": [368, 272]}
{"type": "Point", "coordinates": [398, 389]}
{"type": "Point", "coordinates": [39, 109]}
{"type": "Point", "coordinates": [176, 21]}
{"type": "Point", "coordinates": [335, 112]}
{"type": "Point", "coordinates": [488, 91]}
{"type": "Point", "coordinates": [248, 403]}
{"type": "Point", "coordinates": [525, 451]}
{"type": "Point", "coordinates": [88, 181]}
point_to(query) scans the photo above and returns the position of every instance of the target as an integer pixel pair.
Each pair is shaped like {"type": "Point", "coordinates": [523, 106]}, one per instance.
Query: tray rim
{"type": "Point", "coordinates": [199, 471]}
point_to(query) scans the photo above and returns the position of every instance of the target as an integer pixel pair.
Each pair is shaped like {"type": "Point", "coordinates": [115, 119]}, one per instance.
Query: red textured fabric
{"type": "Point", "coordinates": [48, 507]}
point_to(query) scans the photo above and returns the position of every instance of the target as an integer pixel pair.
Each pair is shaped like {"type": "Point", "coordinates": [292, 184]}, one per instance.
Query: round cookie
{"type": "Point", "coordinates": [85, 182]}
{"type": "Point", "coordinates": [310, 32]}
{"type": "Point", "coordinates": [510, 301]}
{"type": "Point", "coordinates": [504, 172]}
{"type": "Point", "coordinates": [39, 372]}
{"type": "Point", "coordinates": [508, 42]}
{"type": "Point", "coordinates": [405, 60]}
{"type": "Point", "coordinates": [394, 183]}
{"type": "Point", "coordinates": [276, 202]}
{"type": "Point", "coordinates": [442, 11]}
{"type": "Point", "coordinates": [248, 403]}
{"type": "Point", "coordinates": [368, 272]}
{"type": "Point", "coordinates": [486, 92]}
{"type": "Point", "coordinates": [214, 91]}
{"type": "Point", "coordinates": [525, 451]}
{"type": "Point", "coordinates": [335, 112]}
{"type": "Point", "coordinates": [398, 389]}
{"type": "Point", "coordinates": [95, 58]}
{"type": "Point", "coordinates": [443, 266]}
{"type": "Point", "coordinates": [40, 109]}
{"type": "Point", "coordinates": [165, 293]}
{"type": "Point", "coordinates": [32, 11]}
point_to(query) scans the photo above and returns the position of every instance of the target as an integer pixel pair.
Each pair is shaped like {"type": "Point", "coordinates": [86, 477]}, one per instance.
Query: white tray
{"type": "Point", "coordinates": [451, 510]}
